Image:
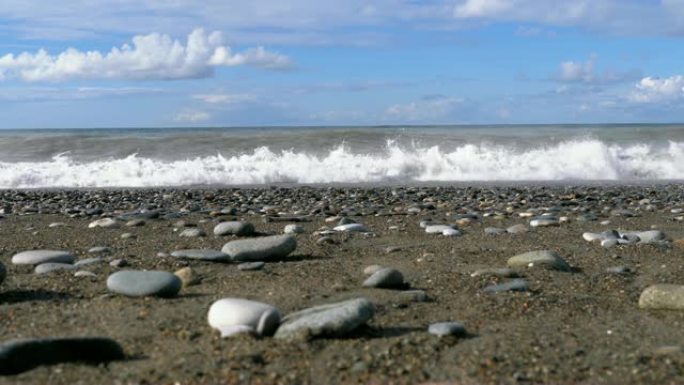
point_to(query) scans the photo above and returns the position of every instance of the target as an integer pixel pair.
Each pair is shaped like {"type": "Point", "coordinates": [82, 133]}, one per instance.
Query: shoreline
{"type": "Point", "coordinates": [579, 326]}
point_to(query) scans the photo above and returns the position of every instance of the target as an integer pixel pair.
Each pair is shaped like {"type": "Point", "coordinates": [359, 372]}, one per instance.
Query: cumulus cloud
{"type": "Point", "coordinates": [153, 56]}
{"type": "Point", "coordinates": [192, 117]}
{"type": "Point", "coordinates": [657, 90]}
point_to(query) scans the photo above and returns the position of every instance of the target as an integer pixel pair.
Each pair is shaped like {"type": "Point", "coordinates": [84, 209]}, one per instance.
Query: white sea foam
{"type": "Point", "coordinates": [586, 159]}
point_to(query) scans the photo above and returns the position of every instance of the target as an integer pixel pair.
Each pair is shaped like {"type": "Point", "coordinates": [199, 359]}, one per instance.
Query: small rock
{"type": "Point", "coordinates": [251, 266]}
{"type": "Point", "coordinates": [89, 261]}
{"type": "Point", "coordinates": [234, 228]}
{"type": "Point", "coordinates": [352, 227]}
{"type": "Point", "coordinates": [372, 269]}
{"type": "Point", "coordinates": [233, 316]}
{"type": "Point", "coordinates": [202, 254]}
{"type": "Point", "coordinates": [84, 273]}
{"type": "Point", "coordinates": [107, 223]}
{"type": "Point", "coordinates": [99, 250]}
{"type": "Point", "coordinates": [128, 236]}
{"type": "Point", "coordinates": [36, 257]}
{"type": "Point", "coordinates": [494, 231]}
{"type": "Point", "coordinates": [332, 320]}
{"type": "Point", "coordinates": [495, 272]}
{"type": "Point", "coordinates": [192, 232]}
{"type": "Point", "coordinates": [451, 233]}
{"type": "Point", "coordinates": [517, 229]}
{"type": "Point", "coordinates": [187, 276]}
{"type": "Point", "coordinates": [135, 223]}
{"type": "Point", "coordinates": [662, 296]}
{"type": "Point", "coordinates": [293, 229]}
{"type": "Point", "coordinates": [57, 224]}
{"type": "Point", "coordinates": [385, 278]}
{"type": "Point", "coordinates": [144, 283]}
{"type": "Point", "coordinates": [621, 270]}
{"type": "Point", "coordinates": [53, 266]}
{"type": "Point", "coordinates": [119, 262]}
{"type": "Point", "coordinates": [544, 258]}
{"type": "Point", "coordinates": [447, 329]}
{"type": "Point", "coordinates": [437, 229]}
{"type": "Point", "coordinates": [260, 249]}
{"type": "Point", "coordinates": [544, 222]}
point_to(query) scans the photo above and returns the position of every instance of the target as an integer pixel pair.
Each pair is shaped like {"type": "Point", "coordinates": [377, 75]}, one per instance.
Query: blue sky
{"type": "Point", "coordinates": [125, 63]}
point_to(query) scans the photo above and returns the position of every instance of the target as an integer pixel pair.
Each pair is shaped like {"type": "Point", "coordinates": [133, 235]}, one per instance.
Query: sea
{"type": "Point", "coordinates": [382, 155]}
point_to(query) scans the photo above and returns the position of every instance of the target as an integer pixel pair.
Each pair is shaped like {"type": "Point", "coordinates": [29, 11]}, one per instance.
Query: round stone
{"type": "Point", "coordinates": [234, 228]}
{"type": "Point", "coordinates": [386, 278]}
{"type": "Point", "coordinates": [447, 329]}
{"type": "Point", "coordinates": [293, 229]}
{"type": "Point", "coordinates": [662, 296]}
{"type": "Point", "coordinates": [188, 276]}
{"type": "Point", "coordinates": [233, 316]}
{"type": "Point", "coordinates": [144, 283]}
{"type": "Point", "coordinates": [36, 257]}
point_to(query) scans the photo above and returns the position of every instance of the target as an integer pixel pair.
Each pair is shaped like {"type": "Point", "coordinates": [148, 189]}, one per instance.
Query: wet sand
{"type": "Point", "coordinates": [582, 326]}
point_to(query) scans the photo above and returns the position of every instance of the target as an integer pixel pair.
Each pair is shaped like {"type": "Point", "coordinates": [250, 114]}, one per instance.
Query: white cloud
{"type": "Point", "coordinates": [585, 73]}
{"type": "Point", "coordinates": [192, 116]}
{"type": "Point", "coordinates": [153, 56]}
{"type": "Point", "coordinates": [225, 98]}
{"type": "Point", "coordinates": [657, 90]}
{"type": "Point", "coordinates": [30, 94]}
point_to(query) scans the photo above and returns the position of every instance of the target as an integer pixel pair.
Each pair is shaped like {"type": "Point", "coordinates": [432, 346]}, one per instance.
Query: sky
{"type": "Point", "coordinates": [183, 63]}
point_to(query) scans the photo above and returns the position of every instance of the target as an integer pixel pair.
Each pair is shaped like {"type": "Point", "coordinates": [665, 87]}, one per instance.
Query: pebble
{"type": "Point", "coordinates": [53, 266]}
{"type": "Point", "coordinates": [18, 356]}
{"type": "Point", "coordinates": [234, 228]}
{"type": "Point", "coordinates": [608, 243]}
{"type": "Point", "coordinates": [544, 222]}
{"type": "Point", "coordinates": [128, 236]}
{"type": "Point", "coordinates": [514, 285]}
{"type": "Point", "coordinates": [36, 257]}
{"type": "Point", "coordinates": [451, 233]}
{"type": "Point", "coordinates": [251, 266]}
{"type": "Point", "coordinates": [202, 254]}
{"type": "Point", "coordinates": [385, 278]}
{"type": "Point", "coordinates": [447, 329]}
{"type": "Point", "coordinates": [413, 296]}
{"type": "Point", "coordinates": [352, 227]}
{"type": "Point", "coordinates": [622, 270]}
{"type": "Point", "coordinates": [325, 241]}
{"type": "Point", "coordinates": [84, 273]}
{"type": "Point", "coordinates": [495, 272]}
{"type": "Point", "coordinates": [260, 249]}
{"type": "Point", "coordinates": [144, 283]}
{"type": "Point", "coordinates": [188, 276]}
{"type": "Point", "coordinates": [437, 229]}
{"type": "Point", "coordinates": [517, 229]}
{"type": "Point", "coordinates": [119, 262]}
{"type": "Point", "coordinates": [89, 261]}
{"type": "Point", "coordinates": [545, 258]}
{"type": "Point", "coordinates": [662, 296]}
{"type": "Point", "coordinates": [104, 223]}
{"type": "Point", "coordinates": [99, 250]}
{"type": "Point", "coordinates": [293, 229]}
{"type": "Point", "coordinates": [192, 232]}
{"type": "Point", "coordinates": [135, 223]}
{"type": "Point", "coordinates": [331, 320]}
{"type": "Point", "coordinates": [233, 316]}
{"type": "Point", "coordinates": [56, 224]}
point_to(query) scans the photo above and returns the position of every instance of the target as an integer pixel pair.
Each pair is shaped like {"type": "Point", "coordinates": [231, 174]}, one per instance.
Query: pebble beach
{"type": "Point", "coordinates": [359, 285]}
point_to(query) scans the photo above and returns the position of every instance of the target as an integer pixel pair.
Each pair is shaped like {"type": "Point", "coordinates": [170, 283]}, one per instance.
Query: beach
{"type": "Point", "coordinates": [582, 324]}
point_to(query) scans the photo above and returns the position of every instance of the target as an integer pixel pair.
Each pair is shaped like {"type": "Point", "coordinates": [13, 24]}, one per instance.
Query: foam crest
{"type": "Point", "coordinates": [586, 159]}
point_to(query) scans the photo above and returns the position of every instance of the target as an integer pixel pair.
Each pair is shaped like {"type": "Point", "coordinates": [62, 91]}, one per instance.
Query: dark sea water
{"type": "Point", "coordinates": [307, 155]}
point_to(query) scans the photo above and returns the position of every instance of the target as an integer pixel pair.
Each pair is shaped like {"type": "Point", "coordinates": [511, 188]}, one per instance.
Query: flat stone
{"type": "Point", "coordinates": [451, 233]}
{"type": "Point", "coordinates": [650, 236]}
{"type": "Point", "coordinates": [437, 229]}
{"type": "Point", "coordinates": [57, 224]}
{"type": "Point", "coordinates": [352, 227]}
{"type": "Point", "coordinates": [331, 320]}
{"type": "Point", "coordinates": [202, 254]}
{"type": "Point", "coordinates": [144, 283]}
{"type": "Point", "coordinates": [385, 278]}
{"type": "Point", "coordinates": [544, 258]}
{"type": "Point", "coordinates": [251, 266]}
{"type": "Point", "coordinates": [495, 272]}
{"type": "Point", "coordinates": [544, 222]}
{"type": "Point", "coordinates": [517, 229]}
{"type": "Point", "coordinates": [447, 329]}
{"type": "Point", "coordinates": [293, 229]}
{"type": "Point", "coordinates": [413, 296]}
{"type": "Point", "coordinates": [84, 273]}
{"type": "Point", "coordinates": [89, 261]}
{"type": "Point", "coordinates": [234, 228]}
{"type": "Point", "coordinates": [107, 223]}
{"type": "Point", "coordinates": [99, 250]}
{"type": "Point", "coordinates": [260, 249]}
{"type": "Point", "coordinates": [192, 232]}
{"type": "Point", "coordinates": [233, 316]}
{"type": "Point", "coordinates": [514, 285]}
{"type": "Point", "coordinates": [18, 356]}
{"type": "Point", "coordinates": [135, 223]}
{"type": "Point", "coordinates": [53, 266]}
{"type": "Point", "coordinates": [36, 257]}
{"type": "Point", "coordinates": [662, 296]}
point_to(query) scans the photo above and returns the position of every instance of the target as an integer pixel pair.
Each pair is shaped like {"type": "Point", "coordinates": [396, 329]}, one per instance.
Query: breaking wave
{"type": "Point", "coordinates": [586, 159]}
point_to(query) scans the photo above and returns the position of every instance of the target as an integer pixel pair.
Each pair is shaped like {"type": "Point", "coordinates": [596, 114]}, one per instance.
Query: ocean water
{"type": "Point", "coordinates": [315, 155]}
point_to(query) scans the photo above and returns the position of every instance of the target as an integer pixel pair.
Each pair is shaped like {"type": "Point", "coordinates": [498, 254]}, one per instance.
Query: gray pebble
{"type": "Point", "coordinates": [251, 266]}
{"type": "Point", "coordinates": [514, 285]}
{"type": "Point", "coordinates": [332, 320]}
{"type": "Point", "coordinates": [144, 283]}
{"type": "Point", "coordinates": [192, 232]}
{"type": "Point", "coordinates": [36, 257]}
{"type": "Point", "coordinates": [53, 266]}
{"type": "Point", "coordinates": [202, 254]}
{"type": "Point", "coordinates": [447, 329]}
{"type": "Point", "coordinates": [544, 258]}
{"type": "Point", "coordinates": [386, 278]}
{"type": "Point", "coordinates": [260, 249]}
{"type": "Point", "coordinates": [234, 228]}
